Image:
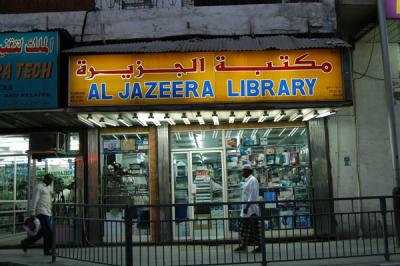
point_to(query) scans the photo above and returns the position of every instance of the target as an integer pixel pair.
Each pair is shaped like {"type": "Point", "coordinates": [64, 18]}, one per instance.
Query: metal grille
{"type": "Point", "coordinates": [347, 227]}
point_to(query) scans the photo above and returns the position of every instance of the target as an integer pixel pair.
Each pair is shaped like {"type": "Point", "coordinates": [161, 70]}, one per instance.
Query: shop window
{"type": "Point", "coordinates": [125, 176]}
{"type": "Point", "coordinates": [196, 139]}
{"type": "Point", "coordinates": [7, 178]}
{"type": "Point", "coordinates": [13, 193]}
{"type": "Point", "coordinates": [63, 171]}
{"type": "Point", "coordinates": [280, 161]}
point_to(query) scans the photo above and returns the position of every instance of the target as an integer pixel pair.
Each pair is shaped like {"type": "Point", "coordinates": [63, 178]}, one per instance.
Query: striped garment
{"type": "Point", "coordinates": [250, 230]}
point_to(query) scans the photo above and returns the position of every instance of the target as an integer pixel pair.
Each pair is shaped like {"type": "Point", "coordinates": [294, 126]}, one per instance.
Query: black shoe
{"type": "Point", "coordinates": [23, 246]}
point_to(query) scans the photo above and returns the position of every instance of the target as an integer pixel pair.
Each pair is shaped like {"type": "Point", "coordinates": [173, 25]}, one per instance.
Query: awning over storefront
{"type": "Point", "coordinates": [279, 42]}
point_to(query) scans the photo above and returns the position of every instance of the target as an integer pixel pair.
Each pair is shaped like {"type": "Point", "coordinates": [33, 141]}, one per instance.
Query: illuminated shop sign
{"type": "Point", "coordinates": [211, 77]}
{"type": "Point", "coordinates": [28, 70]}
{"type": "Point", "coordinates": [393, 9]}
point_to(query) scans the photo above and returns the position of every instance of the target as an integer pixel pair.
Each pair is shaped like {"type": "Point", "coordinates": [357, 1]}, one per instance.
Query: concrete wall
{"type": "Point", "coordinates": [166, 22]}
{"type": "Point", "coordinates": [361, 134]}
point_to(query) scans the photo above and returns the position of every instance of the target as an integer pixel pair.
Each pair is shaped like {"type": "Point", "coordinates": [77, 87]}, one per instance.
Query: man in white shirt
{"type": "Point", "coordinates": [41, 208]}
{"type": "Point", "coordinates": [249, 226]}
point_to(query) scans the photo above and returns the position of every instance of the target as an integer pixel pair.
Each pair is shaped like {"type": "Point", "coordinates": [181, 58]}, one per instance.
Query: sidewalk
{"type": "Point", "coordinates": [34, 257]}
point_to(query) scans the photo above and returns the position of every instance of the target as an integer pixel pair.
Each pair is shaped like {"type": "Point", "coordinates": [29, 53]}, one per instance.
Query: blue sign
{"type": "Point", "coordinates": [28, 70]}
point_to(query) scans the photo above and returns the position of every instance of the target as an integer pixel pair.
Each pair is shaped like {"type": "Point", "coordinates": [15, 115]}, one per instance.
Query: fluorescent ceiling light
{"type": "Point", "coordinates": [83, 120]}
{"type": "Point", "coordinates": [283, 130]}
{"type": "Point", "coordinates": [267, 132]}
{"type": "Point", "coordinates": [263, 117]}
{"type": "Point", "coordinates": [154, 120]}
{"type": "Point", "coordinates": [247, 117]}
{"type": "Point", "coordinates": [310, 116]}
{"type": "Point", "coordinates": [177, 136]}
{"type": "Point", "coordinates": [294, 130]}
{"type": "Point", "coordinates": [125, 138]}
{"type": "Point", "coordinates": [215, 119]}
{"type": "Point", "coordinates": [231, 118]}
{"type": "Point", "coordinates": [169, 120]}
{"type": "Point", "coordinates": [296, 116]}
{"type": "Point", "coordinates": [326, 114]}
{"type": "Point", "coordinates": [191, 136]}
{"type": "Point", "coordinates": [228, 134]}
{"type": "Point", "coordinates": [279, 116]}
{"type": "Point", "coordinates": [185, 119]}
{"type": "Point", "coordinates": [107, 122]}
{"type": "Point", "coordinates": [91, 119]}
{"type": "Point", "coordinates": [137, 120]}
{"type": "Point", "coordinates": [115, 137]}
{"type": "Point", "coordinates": [215, 134]}
{"type": "Point", "coordinates": [254, 132]}
{"type": "Point", "coordinates": [122, 121]}
{"type": "Point", "coordinates": [200, 119]}
{"type": "Point", "coordinates": [302, 132]}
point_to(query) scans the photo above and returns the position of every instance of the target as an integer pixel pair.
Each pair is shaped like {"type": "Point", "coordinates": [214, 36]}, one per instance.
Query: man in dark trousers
{"type": "Point", "coordinates": [41, 208]}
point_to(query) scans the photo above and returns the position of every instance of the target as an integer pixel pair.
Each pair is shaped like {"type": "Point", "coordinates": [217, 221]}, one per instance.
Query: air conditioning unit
{"type": "Point", "coordinates": [47, 143]}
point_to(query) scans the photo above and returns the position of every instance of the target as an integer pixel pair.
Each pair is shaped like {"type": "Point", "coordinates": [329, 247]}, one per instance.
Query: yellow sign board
{"type": "Point", "coordinates": [205, 77]}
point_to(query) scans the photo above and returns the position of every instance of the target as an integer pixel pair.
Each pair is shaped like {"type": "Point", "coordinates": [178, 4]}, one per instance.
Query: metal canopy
{"type": "Point", "coordinates": [244, 43]}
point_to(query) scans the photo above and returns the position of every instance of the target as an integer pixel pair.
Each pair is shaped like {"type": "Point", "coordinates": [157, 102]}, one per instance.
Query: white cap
{"type": "Point", "coordinates": [246, 167]}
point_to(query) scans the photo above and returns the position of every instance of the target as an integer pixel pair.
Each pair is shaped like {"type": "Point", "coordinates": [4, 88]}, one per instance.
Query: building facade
{"type": "Point", "coordinates": [170, 98]}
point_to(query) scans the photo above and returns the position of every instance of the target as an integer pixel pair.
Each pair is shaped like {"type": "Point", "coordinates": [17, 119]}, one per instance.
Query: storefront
{"type": "Point", "coordinates": [177, 128]}
{"type": "Point", "coordinates": [29, 85]}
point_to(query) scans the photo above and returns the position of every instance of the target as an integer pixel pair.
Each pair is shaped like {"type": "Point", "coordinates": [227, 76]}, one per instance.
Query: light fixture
{"type": "Point", "coordinates": [228, 134]}
{"type": "Point", "coordinates": [326, 114]}
{"type": "Point", "coordinates": [231, 118]}
{"type": "Point", "coordinates": [125, 138]}
{"type": "Point", "coordinates": [185, 119]}
{"type": "Point", "coordinates": [302, 132]}
{"type": "Point", "coordinates": [294, 130]}
{"type": "Point", "coordinates": [115, 137]}
{"type": "Point", "coordinates": [267, 132]}
{"type": "Point", "coordinates": [254, 132]}
{"type": "Point", "coordinates": [122, 121]}
{"type": "Point", "coordinates": [247, 117]}
{"type": "Point", "coordinates": [91, 119]}
{"type": "Point", "coordinates": [215, 134]}
{"type": "Point", "coordinates": [263, 117]}
{"type": "Point", "coordinates": [280, 116]}
{"type": "Point", "coordinates": [283, 130]}
{"type": "Point", "coordinates": [139, 121]}
{"type": "Point", "coordinates": [310, 116]}
{"type": "Point", "coordinates": [83, 120]}
{"type": "Point", "coordinates": [200, 119]}
{"type": "Point", "coordinates": [190, 134]}
{"type": "Point", "coordinates": [154, 120]}
{"type": "Point", "coordinates": [240, 134]}
{"type": "Point", "coordinates": [215, 119]}
{"type": "Point", "coordinates": [296, 116]}
{"type": "Point", "coordinates": [107, 122]}
{"type": "Point", "coordinates": [169, 120]}
{"type": "Point", "coordinates": [177, 136]}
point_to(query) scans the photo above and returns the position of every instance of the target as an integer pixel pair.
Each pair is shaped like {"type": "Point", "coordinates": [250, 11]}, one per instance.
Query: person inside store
{"type": "Point", "coordinates": [249, 223]}
{"type": "Point", "coordinates": [41, 208]}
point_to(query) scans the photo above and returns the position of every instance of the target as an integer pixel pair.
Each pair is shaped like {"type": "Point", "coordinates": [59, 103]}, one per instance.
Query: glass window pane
{"type": "Point", "coordinates": [7, 178]}
{"type": "Point", "coordinates": [125, 171]}
{"type": "Point", "coordinates": [196, 139]}
{"type": "Point", "coordinates": [22, 178]}
{"type": "Point", "coordinates": [280, 160]}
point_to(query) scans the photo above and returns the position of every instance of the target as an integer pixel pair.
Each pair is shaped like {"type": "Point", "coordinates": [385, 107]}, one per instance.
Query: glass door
{"type": "Point", "coordinates": [181, 186]}
{"type": "Point", "coordinates": [207, 187]}
{"type": "Point", "coordinates": [198, 177]}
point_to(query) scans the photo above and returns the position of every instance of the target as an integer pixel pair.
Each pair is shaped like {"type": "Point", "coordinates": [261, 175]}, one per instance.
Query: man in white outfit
{"type": "Point", "coordinates": [41, 208]}
{"type": "Point", "coordinates": [249, 226]}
